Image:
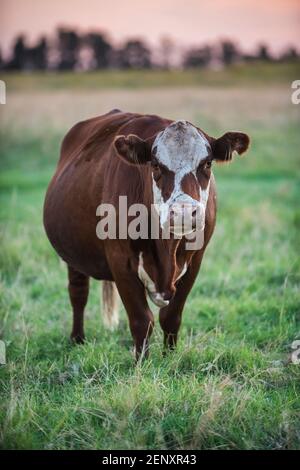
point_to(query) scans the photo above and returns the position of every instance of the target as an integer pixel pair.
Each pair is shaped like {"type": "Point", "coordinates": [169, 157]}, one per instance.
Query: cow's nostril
{"type": "Point", "coordinates": [194, 212]}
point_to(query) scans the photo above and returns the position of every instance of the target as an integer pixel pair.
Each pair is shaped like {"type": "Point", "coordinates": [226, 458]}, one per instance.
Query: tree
{"type": "Point", "coordinates": [166, 50]}
{"type": "Point", "coordinates": [41, 54]}
{"type": "Point", "coordinates": [229, 52]}
{"type": "Point", "coordinates": [263, 53]}
{"type": "Point", "coordinates": [290, 54]}
{"type": "Point", "coordinates": [101, 49]}
{"type": "Point", "coordinates": [199, 57]}
{"type": "Point", "coordinates": [134, 55]}
{"type": "Point", "coordinates": [36, 57]}
{"type": "Point", "coordinates": [68, 45]}
{"type": "Point", "coordinates": [19, 54]}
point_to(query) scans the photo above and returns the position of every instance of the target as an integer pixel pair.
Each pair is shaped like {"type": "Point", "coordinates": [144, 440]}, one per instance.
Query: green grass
{"type": "Point", "coordinates": [230, 384]}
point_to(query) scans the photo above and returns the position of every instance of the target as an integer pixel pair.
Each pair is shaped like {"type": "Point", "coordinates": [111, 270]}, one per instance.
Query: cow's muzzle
{"type": "Point", "coordinates": [185, 218]}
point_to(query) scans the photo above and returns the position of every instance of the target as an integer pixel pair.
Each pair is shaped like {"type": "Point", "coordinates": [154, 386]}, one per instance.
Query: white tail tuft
{"type": "Point", "coordinates": [110, 304]}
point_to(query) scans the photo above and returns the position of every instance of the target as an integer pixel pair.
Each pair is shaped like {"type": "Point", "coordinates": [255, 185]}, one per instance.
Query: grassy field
{"type": "Point", "coordinates": [231, 383]}
{"type": "Point", "coordinates": [239, 74]}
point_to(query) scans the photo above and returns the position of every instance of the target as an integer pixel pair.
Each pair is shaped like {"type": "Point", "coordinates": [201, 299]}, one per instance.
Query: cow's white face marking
{"type": "Point", "coordinates": [180, 148]}
{"type": "Point", "coordinates": [204, 193]}
{"type": "Point", "coordinates": [155, 296]}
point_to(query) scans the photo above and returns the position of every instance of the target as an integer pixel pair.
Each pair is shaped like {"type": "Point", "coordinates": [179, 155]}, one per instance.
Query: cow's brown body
{"type": "Point", "coordinates": [90, 172]}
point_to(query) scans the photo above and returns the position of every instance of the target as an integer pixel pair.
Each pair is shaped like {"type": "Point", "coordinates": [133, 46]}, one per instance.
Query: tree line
{"type": "Point", "coordinates": [69, 50]}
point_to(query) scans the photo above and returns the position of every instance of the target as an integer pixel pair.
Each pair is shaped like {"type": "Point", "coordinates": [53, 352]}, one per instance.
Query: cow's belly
{"type": "Point", "coordinates": [70, 223]}
{"type": "Point", "coordinates": [82, 253]}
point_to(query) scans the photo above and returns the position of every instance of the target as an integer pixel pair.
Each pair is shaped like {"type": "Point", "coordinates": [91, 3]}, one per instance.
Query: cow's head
{"type": "Point", "coordinates": [181, 157]}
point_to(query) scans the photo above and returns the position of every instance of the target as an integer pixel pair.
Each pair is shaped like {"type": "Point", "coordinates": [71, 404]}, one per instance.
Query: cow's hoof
{"type": "Point", "coordinates": [167, 350]}
{"type": "Point", "coordinates": [77, 339]}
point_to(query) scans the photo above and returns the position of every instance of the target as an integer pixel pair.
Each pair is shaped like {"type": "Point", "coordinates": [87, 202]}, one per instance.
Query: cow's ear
{"type": "Point", "coordinates": [230, 142]}
{"type": "Point", "coordinates": [133, 149]}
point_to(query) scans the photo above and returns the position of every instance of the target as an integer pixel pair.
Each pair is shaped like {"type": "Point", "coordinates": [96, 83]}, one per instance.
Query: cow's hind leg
{"type": "Point", "coordinates": [78, 291]}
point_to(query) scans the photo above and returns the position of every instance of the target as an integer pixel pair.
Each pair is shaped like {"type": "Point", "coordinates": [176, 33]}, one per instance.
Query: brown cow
{"type": "Point", "coordinates": [150, 160]}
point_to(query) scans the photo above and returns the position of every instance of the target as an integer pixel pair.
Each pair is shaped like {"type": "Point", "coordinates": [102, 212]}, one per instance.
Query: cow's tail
{"type": "Point", "coordinates": [110, 304]}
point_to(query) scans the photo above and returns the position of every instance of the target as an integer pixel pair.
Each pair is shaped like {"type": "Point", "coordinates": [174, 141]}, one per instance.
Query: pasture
{"type": "Point", "coordinates": [231, 383]}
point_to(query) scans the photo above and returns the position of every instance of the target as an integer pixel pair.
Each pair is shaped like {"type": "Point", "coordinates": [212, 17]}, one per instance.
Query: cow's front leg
{"type": "Point", "coordinates": [170, 316]}
{"type": "Point", "coordinates": [141, 321]}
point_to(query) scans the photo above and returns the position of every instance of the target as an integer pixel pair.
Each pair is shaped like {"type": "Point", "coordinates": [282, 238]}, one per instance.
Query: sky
{"type": "Point", "coordinates": [188, 22]}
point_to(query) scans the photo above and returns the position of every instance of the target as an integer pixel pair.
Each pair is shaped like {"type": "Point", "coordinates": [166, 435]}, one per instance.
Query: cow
{"type": "Point", "coordinates": [153, 161]}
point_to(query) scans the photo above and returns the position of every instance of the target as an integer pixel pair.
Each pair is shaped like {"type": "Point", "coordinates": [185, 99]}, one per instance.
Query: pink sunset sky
{"type": "Point", "coordinates": [188, 22]}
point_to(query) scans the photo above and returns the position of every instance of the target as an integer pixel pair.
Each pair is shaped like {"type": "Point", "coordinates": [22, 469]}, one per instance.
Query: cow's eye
{"type": "Point", "coordinates": [207, 165]}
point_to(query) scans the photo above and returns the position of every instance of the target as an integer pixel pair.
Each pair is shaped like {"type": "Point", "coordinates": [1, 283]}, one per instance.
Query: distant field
{"type": "Point", "coordinates": [241, 75]}
{"type": "Point", "coordinates": [231, 383]}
